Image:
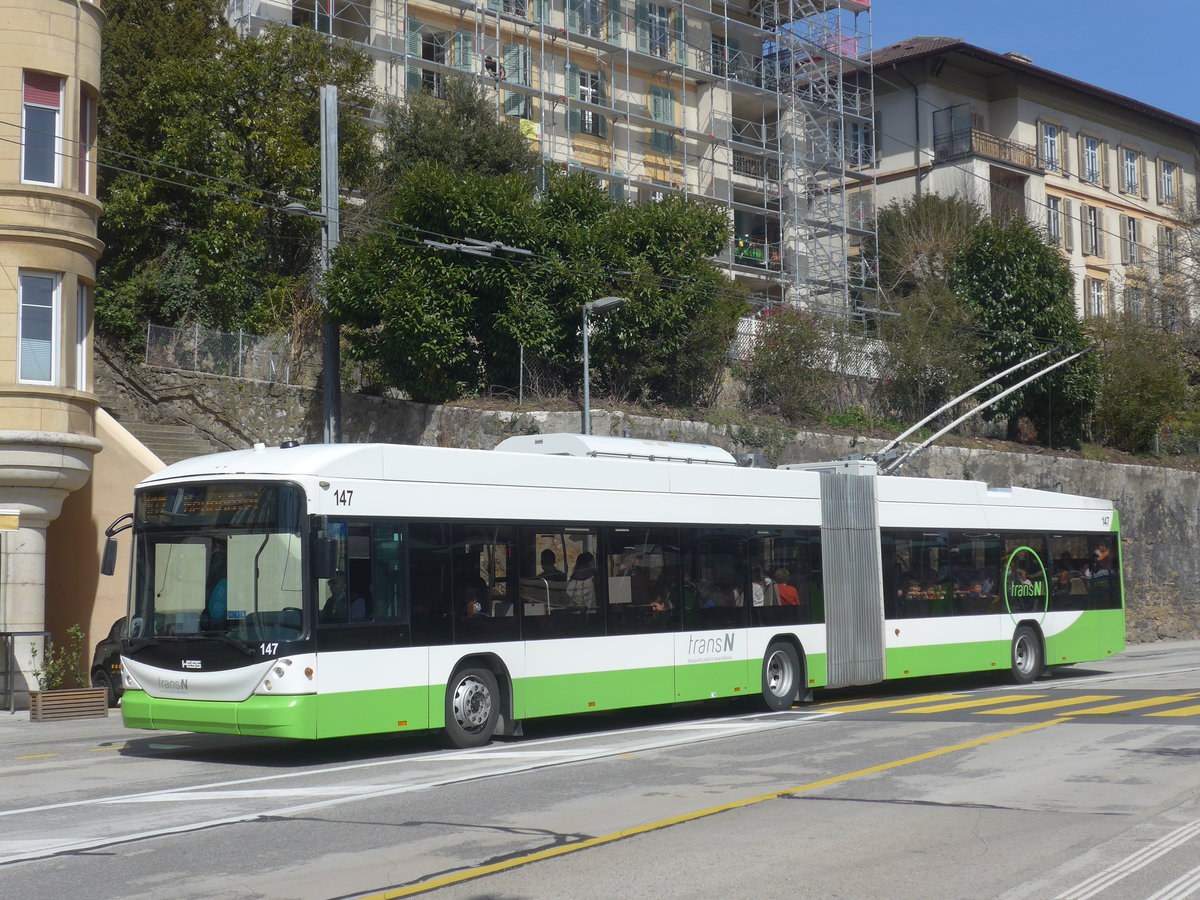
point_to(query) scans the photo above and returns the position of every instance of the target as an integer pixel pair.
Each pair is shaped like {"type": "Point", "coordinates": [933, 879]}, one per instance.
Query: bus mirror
{"type": "Point", "coordinates": [325, 558]}
{"type": "Point", "coordinates": [108, 564]}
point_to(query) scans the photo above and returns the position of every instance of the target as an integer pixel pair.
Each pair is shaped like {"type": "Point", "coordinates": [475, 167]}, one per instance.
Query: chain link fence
{"type": "Point", "coordinates": [272, 358]}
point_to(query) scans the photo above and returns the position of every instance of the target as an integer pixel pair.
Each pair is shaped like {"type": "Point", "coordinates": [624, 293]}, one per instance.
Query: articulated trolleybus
{"type": "Point", "coordinates": [319, 591]}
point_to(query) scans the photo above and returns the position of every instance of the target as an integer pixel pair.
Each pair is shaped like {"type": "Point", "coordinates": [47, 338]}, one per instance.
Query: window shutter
{"type": "Point", "coordinates": [1064, 152]}
{"type": "Point", "coordinates": [1158, 178]}
{"type": "Point", "coordinates": [541, 11]}
{"type": "Point", "coordinates": [412, 41]}
{"type": "Point", "coordinates": [1082, 146]}
{"type": "Point", "coordinates": [514, 71]}
{"type": "Point", "coordinates": [602, 121]}
{"type": "Point", "coordinates": [574, 117]}
{"type": "Point", "coordinates": [1085, 238]}
{"type": "Point", "coordinates": [1041, 143]}
{"type": "Point", "coordinates": [573, 15]}
{"type": "Point", "coordinates": [1068, 226]}
{"type": "Point", "coordinates": [681, 47]}
{"type": "Point", "coordinates": [1143, 185]}
{"type": "Point", "coordinates": [1162, 249]}
{"type": "Point", "coordinates": [614, 21]}
{"type": "Point", "coordinates": [1104, 177]}
{"type": "Point", "coordinates": [43, 90]}
{"type": "Point", "coordinates": [643, 27]}
{"type": "Point", "coordinates": [464, 51]}
{"type": "Point", "coordinates": [1126, 249]}
{"type": "Point", "coordinates": [616, 189]}
{"type": "Point", "coordinates": [495, 5]}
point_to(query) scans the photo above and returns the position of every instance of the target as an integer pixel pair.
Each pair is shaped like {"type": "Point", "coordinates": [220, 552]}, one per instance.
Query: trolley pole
{"type": "Point", "coordinates": [330, 335]}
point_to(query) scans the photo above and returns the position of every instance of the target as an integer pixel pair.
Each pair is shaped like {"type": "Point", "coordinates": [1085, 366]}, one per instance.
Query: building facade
{"type": "Point", "coordinates": [49, 83]}
{"type": "Point", "coordinates": [1109, 177]}
{"type": "Point", "coordinates": [742, 102]}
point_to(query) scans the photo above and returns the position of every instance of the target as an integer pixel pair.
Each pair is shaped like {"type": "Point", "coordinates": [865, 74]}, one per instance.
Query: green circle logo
{"type": "Point", "coordinates": [1026, 585]}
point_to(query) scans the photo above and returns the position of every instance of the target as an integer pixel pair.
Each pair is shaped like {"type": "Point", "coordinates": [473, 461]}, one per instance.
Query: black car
{"type": "Point", "coordinates": [106, 662]}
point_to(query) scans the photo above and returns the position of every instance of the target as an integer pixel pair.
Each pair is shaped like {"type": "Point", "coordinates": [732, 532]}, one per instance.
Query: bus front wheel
{"type": "Point", "coordinates": [1027, 662]}
{"type": "Point", "coordinates": [472, 707]}
{"type": "Point", "coordinates": [780, 676]}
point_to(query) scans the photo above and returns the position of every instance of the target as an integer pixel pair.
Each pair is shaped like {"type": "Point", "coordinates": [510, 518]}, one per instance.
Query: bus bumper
{"type": "Point", "coordinates": [280, 716]}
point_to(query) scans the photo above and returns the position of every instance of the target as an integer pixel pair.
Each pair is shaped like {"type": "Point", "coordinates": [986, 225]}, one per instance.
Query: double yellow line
{"type": "Point", "coordinates": [550, 853]}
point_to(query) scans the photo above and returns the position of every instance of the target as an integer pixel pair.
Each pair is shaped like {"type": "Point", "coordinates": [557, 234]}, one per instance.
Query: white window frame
{"type": "Point", "coordinates": [1092, 163]}
{"type": "Point", "coordinates": [658, 29]}
{"type": "Point", "coordinates": [861, 144]}
{"type": "Point", "coordinates": [1093, 225]}
{"type": "Point", "coordinates": [1054, 219]}
{"type": "Point", "coordinates": [55, 279]}
{"type": "Point", "coordinates": [1168, 187]}
{"type": "Point", "coordinates": [1130, 235]}
{"type": "Point", "coordinates": [1097, 306]}
{"type": "Point", "coordinates": [1051, 147]}
{"type": "Point", "coordinates": [1130, 165]}
{"type": "Point", "coordinates": [590, 92]}
{"type": "Point", "coordinates": [57, 152]}
{"type": "Point", "coordinates": [83, 309]}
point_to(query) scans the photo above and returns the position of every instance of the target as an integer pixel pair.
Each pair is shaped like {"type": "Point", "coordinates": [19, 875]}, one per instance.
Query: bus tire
{"type": "Point", "coordinates": [472, 707]}
{"type": "Point", "coordinates": [1027, 660]}
{"type": "Point", "coordinates": [780, 676]}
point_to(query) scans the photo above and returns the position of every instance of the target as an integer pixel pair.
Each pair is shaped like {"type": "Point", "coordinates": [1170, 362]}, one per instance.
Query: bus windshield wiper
{"type": "Point", "coordinates": [249, 651]}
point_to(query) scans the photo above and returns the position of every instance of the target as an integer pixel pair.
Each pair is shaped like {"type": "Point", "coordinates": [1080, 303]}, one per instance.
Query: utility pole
{"type": "Point", "coordinates": [330, 337]}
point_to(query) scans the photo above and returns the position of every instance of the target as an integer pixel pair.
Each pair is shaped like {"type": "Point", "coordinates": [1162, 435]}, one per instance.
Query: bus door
{"type": "Point", "coordinates": [851, 568]}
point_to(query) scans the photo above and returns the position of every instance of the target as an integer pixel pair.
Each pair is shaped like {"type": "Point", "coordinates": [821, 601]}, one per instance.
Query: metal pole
{"type": "Point", "coordinates": [521, 380]}
{"type": "Point", "coordinates": [587, 399]}
{"type": "Point", "coordinates": [330, 338]}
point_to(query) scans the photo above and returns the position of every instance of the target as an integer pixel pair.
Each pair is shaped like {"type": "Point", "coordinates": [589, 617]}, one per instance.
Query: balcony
{"type": "Point", "coordinates": [755, 167]}
{"type": "Point", "coordinates": [973, 142]}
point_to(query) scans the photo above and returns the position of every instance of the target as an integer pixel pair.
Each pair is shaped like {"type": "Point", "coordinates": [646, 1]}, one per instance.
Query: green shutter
{"type": "Point", "coordinates": [464, 51]}
{"type": "Point", "coordinates": [681, 47]}
{"type": "Point", "coordinates": [574, 119]}
{"type": "Point", "coordinates": [539, 11]}
{"type": "Point", "coordinates": [412, 39]}
{"type": "Point", "coordinates": [495, 5]}
{"type": "Point", "coordinates": [573, 15]}
{"type": "Point", "coordinates": [514, 71]}
{"type": "Point", "coordinates": [614, 21]}
{"type": "Point", "coordinates": [616, 189]}
{"type": "Point", "coordinates": [602, 100]}
{"type": "Point", "coordinates": [643, 27]}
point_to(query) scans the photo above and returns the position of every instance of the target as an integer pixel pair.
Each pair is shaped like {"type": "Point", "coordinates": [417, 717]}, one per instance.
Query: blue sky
{"type": "Point", "coordinates": [1148, 52]}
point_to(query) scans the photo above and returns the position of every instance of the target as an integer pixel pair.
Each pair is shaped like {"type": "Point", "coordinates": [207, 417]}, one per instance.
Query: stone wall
{"type": "Point", "coordinates": [1159, 507]}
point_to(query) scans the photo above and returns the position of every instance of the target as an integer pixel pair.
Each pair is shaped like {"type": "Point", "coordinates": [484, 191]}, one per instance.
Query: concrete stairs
{"type": "Point", "coordinates": [169, 442]}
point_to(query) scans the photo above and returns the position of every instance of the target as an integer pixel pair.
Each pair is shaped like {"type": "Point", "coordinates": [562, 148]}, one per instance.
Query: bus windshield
{"type": "Point", "coordinates": [219, 559]}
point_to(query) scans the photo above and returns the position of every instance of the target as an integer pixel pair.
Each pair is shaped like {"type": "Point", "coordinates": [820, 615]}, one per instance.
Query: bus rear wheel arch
{"type": "Point", "coordinates": [1027, 655]}
{"type": "Point", "coordinates": [782, 675]}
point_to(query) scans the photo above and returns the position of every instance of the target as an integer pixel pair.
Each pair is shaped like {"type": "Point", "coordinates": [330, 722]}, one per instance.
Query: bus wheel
{"type": "Point", "coordinates": [1027, 663]}
{"type": "Point", "coordinates": [472, 707]}
{"type": "Point", "coordinates": [780, 676]}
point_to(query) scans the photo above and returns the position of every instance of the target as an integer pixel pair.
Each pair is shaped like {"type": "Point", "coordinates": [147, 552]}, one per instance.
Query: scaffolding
{"type": "Point", "coordinates": [765, 107]}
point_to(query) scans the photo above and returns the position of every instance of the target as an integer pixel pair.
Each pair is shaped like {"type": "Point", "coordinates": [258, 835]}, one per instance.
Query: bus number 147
{"type": "Point", "coordinates": [343, 497]}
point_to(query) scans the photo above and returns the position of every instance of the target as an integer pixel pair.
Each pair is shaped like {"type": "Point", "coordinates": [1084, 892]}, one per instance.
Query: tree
{"type": "Point", "coordinates": [1021, 290]}
{"type": "Point", "coordinates": [218, 140]}
{"type": "Point", "coordinates": [1143, 380]}
{"type": "Point", "coordinates": [929, 347]}
{"type": "Point", "coordinates": [788, 373]}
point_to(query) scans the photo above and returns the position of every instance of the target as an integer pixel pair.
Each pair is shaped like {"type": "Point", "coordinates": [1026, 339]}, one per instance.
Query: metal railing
{"type": "Point", "coordinates": [963, 142]}
{"type": "Point", "coordinates": [271, 358]}
{"type": "Point", "coordinates": [9, 639]}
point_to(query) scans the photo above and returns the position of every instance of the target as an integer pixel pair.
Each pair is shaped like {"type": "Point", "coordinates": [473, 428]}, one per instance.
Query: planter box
{"type": "Point", "coordinates": [82, 703]}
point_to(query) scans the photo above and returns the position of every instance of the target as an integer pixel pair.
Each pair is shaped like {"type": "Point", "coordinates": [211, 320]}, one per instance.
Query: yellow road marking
{"type": "Point", "coordinates": [969, 704]}
{"type": "Point", "coordinates": [1180, 712]}
{"type": "Point", "coordinates": [102, 749]}
{"type": "Point", "coordinates": [887, 704]}
{"type": "Point", "coordinates": [563, 849]}
{"type": "Point", "coordinates": [36, 756]}
{"type": "Point", "coordinates": [1132, 704]}
{"type": "Point", "coordinates": [1049, 704]}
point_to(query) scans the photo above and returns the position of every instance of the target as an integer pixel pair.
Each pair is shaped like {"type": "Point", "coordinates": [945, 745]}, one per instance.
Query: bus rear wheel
{"type": "Point", "coordinates": [1027, 662]}
{"type": "Point", "coordinates": [472, 707]}
{"type": "Point", "coordinates": [780, 676]}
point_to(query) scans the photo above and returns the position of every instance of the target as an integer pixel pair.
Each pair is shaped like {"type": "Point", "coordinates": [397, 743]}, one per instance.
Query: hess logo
{"type": "Point", "coordinates": [191, 664]}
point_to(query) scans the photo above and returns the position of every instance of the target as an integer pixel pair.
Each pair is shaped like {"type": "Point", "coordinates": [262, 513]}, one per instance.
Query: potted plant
{"type": "Point", "coordinates": [52, 699]}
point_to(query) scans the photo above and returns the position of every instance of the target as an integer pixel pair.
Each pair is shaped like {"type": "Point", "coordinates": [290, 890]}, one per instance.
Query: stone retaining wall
{"type": "Point", "coordinates": [1159, 507]}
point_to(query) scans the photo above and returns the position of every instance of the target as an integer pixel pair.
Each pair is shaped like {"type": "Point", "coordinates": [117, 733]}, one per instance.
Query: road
{"type": "Point", "coordinates": [1085, 784]}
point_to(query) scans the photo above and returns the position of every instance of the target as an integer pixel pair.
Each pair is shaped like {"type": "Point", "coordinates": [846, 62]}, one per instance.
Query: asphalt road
{"type": "Point", "coordinates": [1086, 784]}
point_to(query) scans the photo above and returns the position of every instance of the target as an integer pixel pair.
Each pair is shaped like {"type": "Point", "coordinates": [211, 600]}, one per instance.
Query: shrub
{"type": "Point", "coordinates": [59, 661]}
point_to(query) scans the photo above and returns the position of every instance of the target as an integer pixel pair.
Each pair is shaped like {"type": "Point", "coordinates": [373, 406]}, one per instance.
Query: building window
{"type": "Point", "coordinates": [41, 127]}
{"type": "Point", "coordinates": [591, 90]}
{"type": "Point", "coordinates": [1131, 165]}
{"type": "Point", "coordinates": [516, 70]}
{"type": "Point", "coordinates": [1090, 167]}
{"type": "Point", "coordinates": [87, 135]}
{"type": "Point", "coordinates": [1167, 257]}
{"type": "Point", "coordinates": [662, 109]}
{"type": "Point", "coordinates": [83, 312]}
{"type": "Point", "coordinates": [860, 144]}
{"type": "Point", "coordinates": [515, 7]}
{"type": "Point", "coordinates": [1093, 231]}
{"type": "Point", "coordinates": [658, 27]}
{"type": "Point", "coordinates": [718, 62]}
{"type": "Point", "coordinates": [1130, 243]}
{"type": "Point", "coordinates": [1097, 292]}
{"type": "Point", "coordinates": [585, 17]}
{"type": "Point", "coordinates": [1054, 220]}
{"type": "Point", "coordinates": [1134, 303]}
{"type": "Point", "coordinates": [1168, 182]}
{"type": "Point", "coordinates": [37, 332]}
{"type": "Point", "coordinates": [1050, 148]}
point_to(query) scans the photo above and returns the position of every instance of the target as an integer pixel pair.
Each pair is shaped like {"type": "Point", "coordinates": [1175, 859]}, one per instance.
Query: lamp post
{"type": "Point", "coordinates": [330, 230]}
{"type": "Point", "coordinates": [594, 306]}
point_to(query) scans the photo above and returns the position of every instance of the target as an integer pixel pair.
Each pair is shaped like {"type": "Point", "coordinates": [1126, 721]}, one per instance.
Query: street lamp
{"type": "Point", "coordinates": [594, 306]}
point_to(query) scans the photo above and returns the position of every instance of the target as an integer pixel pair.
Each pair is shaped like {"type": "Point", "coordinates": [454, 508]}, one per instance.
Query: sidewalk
{"type": "Point", "coordinates": [15, 729]}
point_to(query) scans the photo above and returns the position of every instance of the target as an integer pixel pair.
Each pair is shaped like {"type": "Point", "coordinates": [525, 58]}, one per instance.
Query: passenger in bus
{"type": "Point", "coordinates": [550, 570]}
{"type": "Point", "coordinates": [342, 604]}
{"type": "Point", "coordinates": [581, 587]}
{"type": "Point", "coordinates": [758, 586]}
{"type": "Point", "coordinates": [216, 602]}
{"type": "Point", "coordinates": [1101, 563]}
{"type": "Point", "coordinates": [788, 595]}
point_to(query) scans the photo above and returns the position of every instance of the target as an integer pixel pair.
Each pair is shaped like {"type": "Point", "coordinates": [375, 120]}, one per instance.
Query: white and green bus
{"type": "Point", "coordinates": [329, 590]}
